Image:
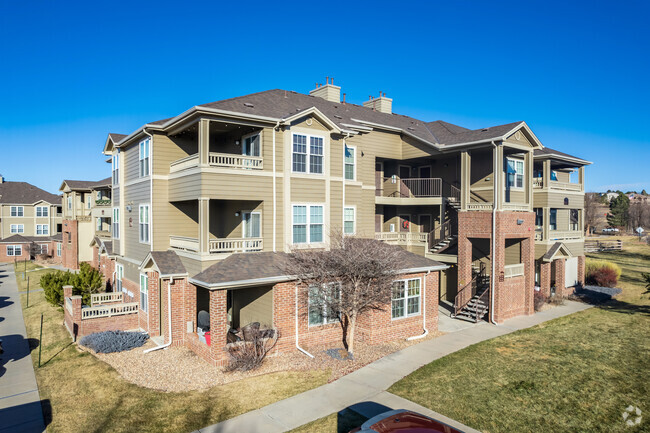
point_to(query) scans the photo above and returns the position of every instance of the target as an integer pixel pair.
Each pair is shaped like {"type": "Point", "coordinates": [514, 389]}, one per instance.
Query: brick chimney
{"type": "Point", "coordinates": [2, 179]}
{"type": "Point", "coordinates": [381, 104]}
{"type": "Point", "coordinates": [329, 91]}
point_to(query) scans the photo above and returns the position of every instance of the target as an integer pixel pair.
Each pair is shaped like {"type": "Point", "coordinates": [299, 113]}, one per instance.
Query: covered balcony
{"type": "Point", "coordinates": [217, 227]}
{"type": "Point", "coordinates": [558, 224]}
{"type": "Point", "coordinates": [560, 176]}
{"type": "Point", "coordinates": [208, 143]}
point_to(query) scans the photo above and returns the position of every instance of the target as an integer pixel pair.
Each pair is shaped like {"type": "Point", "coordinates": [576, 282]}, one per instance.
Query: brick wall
{"type": "Point", "coordinates": [70, 253]}
{"type": "Point", "coordinates": [581, 270]}
{"type": "Point", "coordinates": [24, 253]}
{"type": "Point", "coordinates": [545, 278]}
{"type": "Point", "coordinates": [95, 261]}
{"type": "Point", "coordinates": [153, 304]}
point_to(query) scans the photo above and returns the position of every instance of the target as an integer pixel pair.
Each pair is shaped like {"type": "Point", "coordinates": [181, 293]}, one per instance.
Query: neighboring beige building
{"type": "Point", "coordinates": [86, 214]}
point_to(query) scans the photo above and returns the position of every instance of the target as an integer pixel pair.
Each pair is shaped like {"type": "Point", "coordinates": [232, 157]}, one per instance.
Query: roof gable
{"type": "Point", "coordinates": [558, 250]}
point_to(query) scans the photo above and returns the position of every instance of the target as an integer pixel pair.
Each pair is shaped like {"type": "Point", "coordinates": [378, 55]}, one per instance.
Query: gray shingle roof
{"type": "Point", "coordinates": [269, 265]}
{"type": "Point", "coordinates": [168, 263]}
{"type": "Point", "coordinates": [87, 184]}
{"type": "Point", "coordinates": [15, 239]}
{"type": "Point", "coordinates": [28, 239]}
{"type": "Point", "coordinates": [548, 152]}
{"type": "Point", "coordinates": [25, 193]}
{"type": "Point", "coordinates": [116, 137]}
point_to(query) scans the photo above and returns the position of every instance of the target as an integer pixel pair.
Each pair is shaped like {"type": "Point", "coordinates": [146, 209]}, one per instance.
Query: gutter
{"type": "Point", "coordinates": [495, 200]}
{"type": "Point", "coordinates": [424, 311]}
{"type": "Point", "coordinates": [275, 210]}
{"type": "Point", "coordinates": [169, 319]}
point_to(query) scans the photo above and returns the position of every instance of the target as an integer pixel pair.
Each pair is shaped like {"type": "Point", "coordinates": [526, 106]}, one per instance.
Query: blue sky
{"type": "Point", "coordinates": [576, 72]}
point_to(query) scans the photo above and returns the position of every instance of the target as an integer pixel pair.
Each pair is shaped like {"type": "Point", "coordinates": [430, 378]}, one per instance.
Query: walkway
{"type": "Point", "coordinates": [367, 386]}
{"type": "Point", "coordinates": [20, 404]}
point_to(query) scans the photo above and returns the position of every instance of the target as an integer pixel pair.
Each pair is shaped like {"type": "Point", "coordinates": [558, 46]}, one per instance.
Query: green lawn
{"type": "Point", "coordinates": [577, 373]}
{"type": "Point", "coordinates": [32, 277]}
{"type": "Point", "coordinates": [87, 395]}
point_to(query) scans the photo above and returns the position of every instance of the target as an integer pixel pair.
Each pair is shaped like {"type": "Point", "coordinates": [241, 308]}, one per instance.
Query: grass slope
{"type": "Point", "coordinates": [577, 373]}
{"type": "Point", "coordinates": [87, 395]}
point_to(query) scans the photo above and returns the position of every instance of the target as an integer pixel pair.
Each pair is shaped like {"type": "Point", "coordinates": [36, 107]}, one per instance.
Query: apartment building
{"type": "Point", "coordinates": [86, 215]}
{"type": "Point", "coordinates": [30, 221]}
{"type": "Point", "coordinates": [205, 205]}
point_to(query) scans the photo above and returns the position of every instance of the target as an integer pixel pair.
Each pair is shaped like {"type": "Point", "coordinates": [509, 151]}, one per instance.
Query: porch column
{"type": "Point", "coordinates": [465, 178]}
{"type": "Point", "coordinates": [547, 174]}
{"type": "Point", "coordinates": [545, 278]}
{"type": "Point", "coordinates": [218, 325]}
{"type": "Point", "coordinates": [546, 223]}
{"type": "Point", "coordinates": [204, 142]}
{"type": "Point", "coordinates": [528, 163]}
{"type": "Point", "coordinates": [204, 225]}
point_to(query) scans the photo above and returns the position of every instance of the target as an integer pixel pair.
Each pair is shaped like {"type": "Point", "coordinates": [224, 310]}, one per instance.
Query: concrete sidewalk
{"type": "Point", "coordinates": [368, 384]}
{"type": "Point", "coordinates": [20, 404]}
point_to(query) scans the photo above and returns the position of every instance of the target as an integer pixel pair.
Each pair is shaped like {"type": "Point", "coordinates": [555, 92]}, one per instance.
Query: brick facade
{"type": "Point", "coordinates": [24, 253]}
{"type": "Point", "coordinates": [70, 253]}
{"type": "Point", "coordinates": [545, 278]}
{"type": "Point", "coordinates": [581, 270]}
{"type": "Point", "coordinates": [512, 296]}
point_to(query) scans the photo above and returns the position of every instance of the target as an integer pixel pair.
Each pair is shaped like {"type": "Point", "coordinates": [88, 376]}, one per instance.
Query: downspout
{"type": "Point", "coordinates": [297, 345]}
{"type": "Point", "coordinates": [169, 318]}
{"type": "Point", "coordinates": [345, 144]}
{"type": "Point", "coordinates": [275, 212]}
{"type": "Point", "coordinates": [494, 229]}
{"type": "Point", "coordinates": [424, 310]}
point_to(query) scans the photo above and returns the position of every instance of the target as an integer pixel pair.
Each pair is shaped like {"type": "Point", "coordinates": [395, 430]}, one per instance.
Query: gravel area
{"type": "Point", "coordinates": [178, 369]}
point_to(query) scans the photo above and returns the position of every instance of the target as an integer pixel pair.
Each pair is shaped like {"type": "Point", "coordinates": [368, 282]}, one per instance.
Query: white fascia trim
{"type": "Point", "coordinates": [242, 283]}
{"type": "Point", "coordinates": [400, 130]}
{"type": "Point", "coordinates": [530, 131]}
{"type": "Point", "coordinates": [424, 269]}
{"type": "Point", "coordinates": [359, 127]}
{"type": "Point", "coordinates": [318, 113]}
{"type": "Point", "coordinates": [562, 157]}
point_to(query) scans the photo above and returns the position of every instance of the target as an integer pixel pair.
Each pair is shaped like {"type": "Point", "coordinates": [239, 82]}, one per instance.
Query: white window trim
{"type": "Point", "coordinates": [406, 298]}
{"type": "Point", "coordinates": [253, 134]}
{"type": "Point", "coordinates": [43, 228]}
{"type": "Point", "coordinates": [119, 274]}
{"type": "Point", "coordinates": [115, 224]}
{"type": "Point", "coordinates": [58, 249]}
{"type": "Point", "coordinates": [19, 210]}
{"type": "Point", "coordinates": [326, 319]}
{"type": "Point", "coordinates": [13, 250]}
{"type": "Point", "coordinates": [45, 212]}
{"type": "Point", "coordinates": [308, 223]}
{"type": "Point", "coordinates": [354, 220]}
{"type": "Point", "coordinates": [354, 164]}
{"type": "Point", "coordinates": [115, 169]}
{"type": "Point", "coordinates": [308, 153]}
{"type": "Point", "coordinates": [20, 228]}
{"type": "Point", "coordinates": [47, 248]}
{"type": "Point", "coordinates": [522, 174]}
{"type": "Point", "coordinates": [243, 222]}
{"type": "Point", "coordinates": [147, 143]}
{"type": "Point", "coordinates": [141, 223]}
{"type": "Point", "coordinates": [144, 292]}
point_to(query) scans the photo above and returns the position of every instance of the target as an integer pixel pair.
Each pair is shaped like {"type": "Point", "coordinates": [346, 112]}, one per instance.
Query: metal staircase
{"type": "Point", "coordinates": [473, 301]}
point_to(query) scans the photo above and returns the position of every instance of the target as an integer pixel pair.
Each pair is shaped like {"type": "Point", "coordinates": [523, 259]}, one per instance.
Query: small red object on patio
{"type": "Point", "coordinates": [207, 338]}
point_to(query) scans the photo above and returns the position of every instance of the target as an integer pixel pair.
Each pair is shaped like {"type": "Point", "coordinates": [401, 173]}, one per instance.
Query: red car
{"type": "Point", "coordinates": [403, 421]}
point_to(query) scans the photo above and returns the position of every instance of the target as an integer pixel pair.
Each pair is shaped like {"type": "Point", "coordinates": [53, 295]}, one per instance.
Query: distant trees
{"type": "Point", "coordinates": [619, 211]}
{"type": "Point", "coordinates": [639, 215]}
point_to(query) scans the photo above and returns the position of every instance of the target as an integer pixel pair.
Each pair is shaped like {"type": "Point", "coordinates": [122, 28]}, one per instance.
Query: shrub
{"type": "Point", "coordinates": [539, 299]}
{"type": "Point", "coordinates": [602, 273]}
{"type": "Point", "coordinates": [114, 341]}
{"type": "Point", "coordinates": [249, 354]}
{"type": "Point", "coordinates": [646, 277]}
{"type": "Point", "coordinates": [52, 284]}
{"type": "Point", "coordinates": [86, 282]}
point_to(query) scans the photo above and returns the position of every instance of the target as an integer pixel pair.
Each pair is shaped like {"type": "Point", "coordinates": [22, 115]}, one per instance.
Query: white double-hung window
{"type": "Point", "coordinates": [515, 178]}
{"type": "Point", "coordinates": [116, 223]}
{"type": "Point", "coordinates": [308, 153]}
{"type": "Point", "coordinates": [17, 228]}
{"type": "Point", "coordinates": [405, 298]}
{"type": "Point", "coordinates": [17, 211]}
{"type": "Point", "coordinates": [349, 163]}
{"type": "Point", "coordinates": [145, 150]}
{"type": "Point", "coordinates": [144, 223]}
{"type": "Point", "coordinates": [119, 274]}
{"type": "Point", "coordinates": [348, 221]}
{"type": "Point", "coordinates": [42, 211]}
{"type": "Point", "coordinates": [116, 169]}
{"type": "Point", "coordinates": [58, 249]}
{"type": "Point", "coordinates": [307, 224]}
{"type": "Point", "coordinates": [42, 229]}
{"type": "Point", "coordinates": [14, 250]}
{"type": "Point", "coordinates": [144, 291]}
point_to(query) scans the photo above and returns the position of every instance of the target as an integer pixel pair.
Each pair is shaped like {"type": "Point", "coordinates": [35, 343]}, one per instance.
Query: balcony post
{"type": "Point", "coordinates": [204, 142]}
{"type": "Point", "coordinates": [546, 223]}
{"type": "Point", "coordinates": [547, 174]}
{"type": "Point", "coordinates": [465, 170]}
{"type": "Point", "coordinates": [528, 162]}
{"type": "Point", "coordinates": [204, 225]}
{"type": "Point", "coordinates": [581, 178]}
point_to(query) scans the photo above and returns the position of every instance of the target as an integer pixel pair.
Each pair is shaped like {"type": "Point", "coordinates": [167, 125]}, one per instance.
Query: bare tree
{"type": "Point", "coordinates": [347, 281]}
{"type": "Point", "coordinates": [639, 215]}
{"type": "Point", "coordinates": [593, 206]}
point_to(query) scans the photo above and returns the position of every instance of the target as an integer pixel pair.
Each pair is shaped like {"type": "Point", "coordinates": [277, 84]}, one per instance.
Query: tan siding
{"type": "Point", "coordinates": [555, 199]}
{"type": "Point", "coordinates": [131, 163]}
{"type": "Point", "coordinates": [512, 251]}
{"type": "Point", "coordinates": [253, 304]}
{"type": "Point", "coordinates": [414, 149]}
{"type": "Point", "coordinates": [307, 190]}
{"type": "Point", "coordinates": [165, 151]}
{"type": "Point", "coordinates": [134, 196]}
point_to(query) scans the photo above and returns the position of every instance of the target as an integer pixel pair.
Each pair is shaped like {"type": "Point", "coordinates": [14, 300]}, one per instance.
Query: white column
{"type": "Point", "coordinates": [204, 225]}
{"type": "Point", "coordinates": [204, 142]}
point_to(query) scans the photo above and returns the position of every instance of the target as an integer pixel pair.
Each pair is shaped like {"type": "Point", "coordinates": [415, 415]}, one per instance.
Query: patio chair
{"type": "Point", "coordinates": [248, 330]}
{"type": "Point", "coordinates": [203, 321]}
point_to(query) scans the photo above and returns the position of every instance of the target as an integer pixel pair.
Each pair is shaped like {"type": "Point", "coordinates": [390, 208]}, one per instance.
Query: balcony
{"type": "Point", "coordinates": [538, 183]}
{"type": "Point", "coordinates": [217, 246]}
{"type": "Point", "coordinates": [402, 237]}
{"type": "Point", "coordinates": [224, 160]}
{"type": "Point", "coordinates": [559, 235]}
{"type": "Point", "coordinates": [515, 270]}
{"type": "Point", "coordinates": [412, 191]}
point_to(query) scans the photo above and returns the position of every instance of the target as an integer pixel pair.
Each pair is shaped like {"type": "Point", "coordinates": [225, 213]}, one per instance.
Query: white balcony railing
{"type": "Point", "coordinates": [109, 310]}
{"type": "Point", "coordinates": [105, 298]}
{"type": "Point", "coordinates": [516, 270]}
{"type": "Point", "coordinates": [557, 235]}
{"type": "Point", "coordinates": [565, 186]}
{"type": "Point", "coordinates": [217, 246]}
{"type": "Point", "coordinates": [235, 245]}
{"type": "Point", "coordinates": [479, 206]}
{"type": "Point", "coordinates": [538, 182]}
{"type": "Point", "coordinates": [235, 161]}
{"type": "Point", "coordinates": [516, 207]}
{"type": "Point", "coordinates": [405, 237]}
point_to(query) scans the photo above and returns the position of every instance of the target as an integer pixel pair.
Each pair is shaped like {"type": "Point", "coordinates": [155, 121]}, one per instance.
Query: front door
{"type": "Point", "coordinates": [251, 146]}
{"type": "Point", "coordinates": [251, 221]}
{"type": "Point", "coordinates": [425, 223]}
